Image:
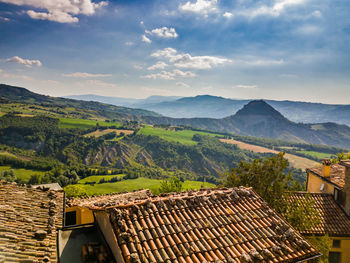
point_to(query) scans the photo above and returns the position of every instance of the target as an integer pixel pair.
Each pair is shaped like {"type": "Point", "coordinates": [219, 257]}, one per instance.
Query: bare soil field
{"type": "Point", "coordinates": [295, 161]}
{"type": "Point", "coordinates": [100, 133]}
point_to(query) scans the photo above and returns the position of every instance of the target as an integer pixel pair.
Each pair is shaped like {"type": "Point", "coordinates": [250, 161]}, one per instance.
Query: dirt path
{"type": "Point", "coordinates": [295, 161]}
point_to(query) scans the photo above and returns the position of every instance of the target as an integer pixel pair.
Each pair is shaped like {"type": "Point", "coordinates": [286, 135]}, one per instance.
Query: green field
{"type": "Point", "coordinates": [97, 178]}
{"type": "Point", "coordinates": [66, 123]}
{"type": "Point", "coordinates": [22, 174]}
{"type": "Point", "coordinates": [317, 154]}
{"type": "Point", "coordinates": [4, 153]}
{"type": "Point", "coordinates": [184, 137]}
{"type": "Point", "coordinates": [135, 184]}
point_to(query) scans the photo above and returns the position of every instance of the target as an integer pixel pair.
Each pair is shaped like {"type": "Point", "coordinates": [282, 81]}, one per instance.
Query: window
{"type": "Point", "coordinates": [71, 218]}
{"type": "Point", "coordinates": [336, 243]}
{"type": "Point", "coordinates": [334, 257]}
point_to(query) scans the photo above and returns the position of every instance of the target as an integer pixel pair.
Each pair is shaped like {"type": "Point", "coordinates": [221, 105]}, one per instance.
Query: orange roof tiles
{"type": "Point", "coordinates": [217, 225]}
{"type": "Point", "coordinates": [337, 174]}
{"type": "Point", "coordinates": [96, 202]}
{"type": "Point", "coordinates": [29, 219]}
{"type": "Point", "coordinates": [332, 219]}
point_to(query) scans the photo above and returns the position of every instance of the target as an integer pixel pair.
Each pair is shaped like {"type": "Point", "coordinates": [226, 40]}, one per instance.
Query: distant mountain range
{"type": "Point", "coordinates": [259, 119]}
{"type": "Point", "coordinates": [256, 118]}
{"type": "Point", "coordinates": [206, 106]}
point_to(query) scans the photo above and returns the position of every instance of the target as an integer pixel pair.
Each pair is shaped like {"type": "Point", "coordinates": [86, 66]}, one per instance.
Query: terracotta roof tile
{"type": "Point", "coordinates": [101, 201]}
{"type": "Point", "coordinates": [29, 219]}
{"type": "Point", "coordinates": [333, 220]}
{"type": "Point", "coordinates": [221, 225]}
{"type": "Point", "coordinates": [337, 174]}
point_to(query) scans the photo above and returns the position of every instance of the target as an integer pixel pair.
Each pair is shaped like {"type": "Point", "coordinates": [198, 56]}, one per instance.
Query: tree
{"type": "Point", "coordinates": [169, 185]}
{"type": "Point", "coordinates": [267, 177]}
{"type": "Point", "coordinates": [76, 190]}
{"type": "Point", "coordinates": [34, 179]}
{"type": "Point", "coordinates": [270, 180]}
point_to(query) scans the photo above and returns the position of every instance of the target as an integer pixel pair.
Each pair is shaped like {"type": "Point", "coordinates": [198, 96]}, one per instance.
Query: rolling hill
{"type": "Point", "coordinates": [23, 95]}
{"type": "Point", "coordinates": [259, 119]}
{"type": "Point", "coordinates": [256, 118]}
{"type": "Point", "coordinates": [207, 106]}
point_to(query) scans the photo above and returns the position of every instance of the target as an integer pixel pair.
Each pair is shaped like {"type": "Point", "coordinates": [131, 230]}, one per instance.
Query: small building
{"type": "Point", "coordinates": [215, 225]}
{"type": "Point", "coordinates": [79, 210]}
{"type": "Point", "coordinates": [329, 186]}
{"type": "Point", "coordinates": [332, 220]}
{"type": "Point", "coordinates": [29, 221]}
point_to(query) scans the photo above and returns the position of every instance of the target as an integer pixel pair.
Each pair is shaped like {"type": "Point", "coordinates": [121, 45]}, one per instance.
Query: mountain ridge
{"type": "Point", "coordinates": [208, 106]}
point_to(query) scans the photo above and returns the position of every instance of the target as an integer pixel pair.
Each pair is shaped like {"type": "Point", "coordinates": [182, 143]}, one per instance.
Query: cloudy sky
{"type": "Point", "coordinates": [275, 49]}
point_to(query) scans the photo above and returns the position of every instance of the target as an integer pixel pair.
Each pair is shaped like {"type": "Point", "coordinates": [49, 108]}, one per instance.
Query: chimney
{"type": "Point", "coordinates": [326, 167]}
{"type": "Point", "coordinates": [346, 190]}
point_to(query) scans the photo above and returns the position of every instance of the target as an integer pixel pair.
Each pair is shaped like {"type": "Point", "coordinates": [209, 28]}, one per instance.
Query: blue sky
{"type": "Point", "coordinates": [273, 49]}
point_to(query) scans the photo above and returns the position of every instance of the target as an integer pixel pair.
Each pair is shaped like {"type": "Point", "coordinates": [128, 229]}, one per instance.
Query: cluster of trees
{"type": "Point", "coordinates": [271, 180]}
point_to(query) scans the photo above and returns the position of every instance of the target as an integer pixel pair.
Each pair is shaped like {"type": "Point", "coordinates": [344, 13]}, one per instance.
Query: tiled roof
{"type": "Point", "coordinates": [217, 225]}
{"type": "Point", "coordinates": [101, 201]}
{"type": "Point", "coordinates": [332, 219]}
{"type": "Point", "coordinates": [337, 174]}
{"type": "Point", "coordinates": [345, 163]}
{"type": "Point", "coordinates": [52, 186]}
{"type": "Point", "coordinates": [29, 219]}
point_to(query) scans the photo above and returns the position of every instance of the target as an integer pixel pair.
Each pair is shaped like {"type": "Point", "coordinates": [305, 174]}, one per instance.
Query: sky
{"type": "Point", "coordinates": [270, 49]}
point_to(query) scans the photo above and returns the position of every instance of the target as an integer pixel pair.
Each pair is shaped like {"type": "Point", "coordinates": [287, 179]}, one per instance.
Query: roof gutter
{"type": "Point", "coordinates": [307, 259]}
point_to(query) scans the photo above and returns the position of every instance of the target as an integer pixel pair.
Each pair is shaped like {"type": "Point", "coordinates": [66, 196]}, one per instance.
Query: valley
{"type": "Point", "coordinates": [90, 153]}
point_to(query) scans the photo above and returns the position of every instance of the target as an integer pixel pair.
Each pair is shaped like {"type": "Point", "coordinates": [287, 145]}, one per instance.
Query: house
{"type": "Point", "coordinates": [29, 219]}
{"type": "Point", "coordinates": [215, 225]}
{"type": "Point", "coordinates": [79, 210]}
{"type": "Point", "coordinates": [81, 239]}
{"type": "Point", "coordinates": [329, 186]}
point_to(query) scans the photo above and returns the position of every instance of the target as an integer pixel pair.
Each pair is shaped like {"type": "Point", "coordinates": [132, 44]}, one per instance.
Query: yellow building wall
{"type": "Point", "coordinates": [344, 248]}
{"type": "Point", "coordinates": [314, 185]}
{"type": "Point", "coordinates": [83, 215]}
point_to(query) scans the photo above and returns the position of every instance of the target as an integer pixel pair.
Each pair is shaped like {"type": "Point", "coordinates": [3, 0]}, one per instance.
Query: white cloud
{"type": "Point", "coordinates": [138, 67]}
{"type": "Point", "coordinates": [146, 39]}
{"type": "Point", "coordinates": [163, 32]}
{"type": "Point", "coordinates": [4, 19]}
{"type": "Point", "coordinates": [227, 14]}
{"type": "Point", "coordinates": [274, 10]}
{"type": "Point", "coordinates": [97, 83]}
{"type": "Point", "coordinates": [85, 75]}
{"type": "Point", "coordinates": [27, 62]}
{"type": "Point", "coordinates": [158, 65]}
{"type": "Point", "coordinates": [182, 84]}
{"type": "Point", "coordinates": [316, 13]}
{"type": "Point", "coordinates": [308, 30]}
{"type": "Point", "coordinates": [264, 62]}
{"type": "Point", "coordinates": [167, 75]}
{"type": "Point", "coordinates": [62, 11]}
{"type": "Point", "coordinates": [245, 87]}
{"type": "Point", "coordinates": [200, 6]}
{"type": "Point", "coordinates": [16, 77]}
{"type": "Point", "coordinates": [188, 61]}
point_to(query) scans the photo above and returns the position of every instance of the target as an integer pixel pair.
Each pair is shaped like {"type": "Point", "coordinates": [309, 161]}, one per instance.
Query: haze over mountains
{"type": "Point", "coordinates": [256, 118]}
{"type": "Point", "coordinates": [206, 106]}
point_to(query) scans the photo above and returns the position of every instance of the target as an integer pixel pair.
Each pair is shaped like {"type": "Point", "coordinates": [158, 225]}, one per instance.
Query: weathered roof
{"type": "Point", "coordinates": [332, 219]}
{"type": "Point", "coordinates": [217, 225]}
{"type": "Point", "coordinates": [101, 201]}
{"type": "Point", "coordinates": [52, 186]}
{"type": "Point", "coordinates": [29, 219]}
{"type": "Point", "coordinates": [337, 174]}
{"type": "Point", "coordinates": [345, 163]}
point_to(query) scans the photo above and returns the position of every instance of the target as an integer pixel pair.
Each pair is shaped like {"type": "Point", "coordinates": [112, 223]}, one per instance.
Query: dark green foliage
{"type": "Point", "coordinates": [169, 185]}
{"type": "Point", "coordinates": [267, 177]}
